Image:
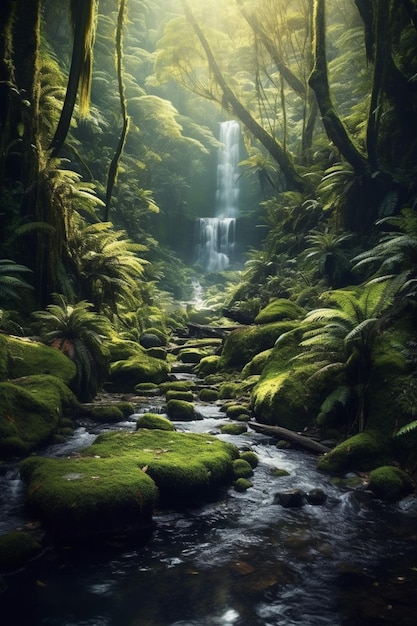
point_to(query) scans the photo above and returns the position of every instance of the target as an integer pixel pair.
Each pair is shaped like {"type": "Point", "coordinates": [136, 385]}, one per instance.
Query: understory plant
{"type": "Point", "coordinates": [80, 334]}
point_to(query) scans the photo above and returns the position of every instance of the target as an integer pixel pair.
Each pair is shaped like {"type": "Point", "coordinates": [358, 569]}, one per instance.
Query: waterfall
{"type": "Point", "coordinates": [216, 236]}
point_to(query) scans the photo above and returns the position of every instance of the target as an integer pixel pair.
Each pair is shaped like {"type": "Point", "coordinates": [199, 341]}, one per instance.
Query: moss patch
{"type": "Point", "coordinates": [389, 482]}
{"type": "Point", "coordinates": [126, 374]}
{"type": "Point", "coordinates": [16, 549]}
{"type": "Point", "coordinates": [26, 358]}
{"type": "Point", "coordinates": [181, 410]}
{"type": "Point", "coordinates": [364, 451]}
{"type": "Point", "coordinates": [208, 365]}
{"type": "Point", "coordinates": [153, 420]}
{"type": "Point", "coordinates": [173, 394]}
{"type": "Point", "coordinates": [278, 310]}
{"type": "Point", "coordinates": [242, 484]}
{"type": "Point", "coordinates": [242, 469]}
{"type": "Point", "coordinates": [31, 412]}
{"type": "Point", "coordinates": [243, 344]}
{"type": "Point", "coordinates": [251, 457]}
{"type": "Point", "coordinates": [208, 395]}
{"type": "Point", "coordinates": [234, 429]}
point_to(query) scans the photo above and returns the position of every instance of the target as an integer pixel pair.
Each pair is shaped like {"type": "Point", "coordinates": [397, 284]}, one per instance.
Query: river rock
{"type": "Point", "coordinates": [316, 496]}
{"type": "Point", "coordinates": [289, 499]}
{"type": "Point", "coordinates": [150, 340]}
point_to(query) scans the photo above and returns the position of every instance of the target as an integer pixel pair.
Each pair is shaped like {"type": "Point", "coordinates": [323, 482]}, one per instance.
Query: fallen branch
{"type": "Point", "coordinates": [291, 436]}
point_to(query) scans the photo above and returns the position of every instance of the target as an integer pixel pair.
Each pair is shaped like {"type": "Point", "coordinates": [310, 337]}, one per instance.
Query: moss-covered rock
{"type": "Point", "coordinates": [234, 429]}
{"type": "Point", "coordinates": [31, 410]}
{"type": "Point", "coordinates": [174, 394]}
{"type": "Point", "coordinates": [257, 364]}
{"type": "Point", "coordinates": [251, 457]}
{"type": "Point", "coordinates": [229, 390]}
{"type": "Point", "coordinates": [26, 357]}
{"type": "Point", "coordinates": [191, 355]}
{"type": "Point", "coordinates": [208, 365]}
{"type": "Point", "coordinates": [113, 486]}
{"type": "Point", "coordinates": [147, 389]}
{"type": "Point", "coordinates": [127, 408]}
{"type": "Point", "coordinates": [153, 420]}
{"type": "Point", "coordinates": [181, 411]}
{"type": "Point", "coordinates": [87, 496]}
{"type": "Point", "coordinates": [279, 310]}
{"type": "Point", "coordinates": [177, 385]}
{"type": "Point", "coordinates": [126, 374]}
{"type": "Point", "coordinates": [208, 395]}
{"type": "Point", "coordinates": [242, 469]}
{"type": "Point", "coordinates": [242, 484]}
{"type": "Point", "coordinates": [16, 549]}
{"type": "Point", "coordinates": [389, 482]}
{"type": "Point", "coordinates": [104, 413]}
{"type": "Point", "coordinates": [157, 353]}
{"type": "Point", "coordinates": [243, 344]}
{"type": "Point", "coordinates": [235, 411]}
{"type": "Point", "coordinates": [364, 451]}
{"type": "Point", "coordinates": [284, 395]}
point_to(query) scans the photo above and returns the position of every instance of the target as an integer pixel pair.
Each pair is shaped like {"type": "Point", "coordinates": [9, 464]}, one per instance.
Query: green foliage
{"type": "Point", "coordinates": [79, 333]}
{"type": "Point", "coordinates": [11, 282]}
{"type": "Point", "coordinates": [326, 253]}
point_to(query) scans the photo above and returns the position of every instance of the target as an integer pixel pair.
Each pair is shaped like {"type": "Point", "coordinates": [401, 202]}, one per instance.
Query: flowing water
{"type": "Point", "coordinates": [241, 560]}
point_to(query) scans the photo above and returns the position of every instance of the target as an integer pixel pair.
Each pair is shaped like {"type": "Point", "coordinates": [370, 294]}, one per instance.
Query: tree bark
{"type": "Point", "coordinates": [294, 180]}
{"type": "Point", "coordinates": [319, 82]}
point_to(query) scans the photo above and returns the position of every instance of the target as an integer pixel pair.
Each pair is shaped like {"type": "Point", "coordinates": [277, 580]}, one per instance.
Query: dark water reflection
{"type": "Point", "coordinates": [241, 560]}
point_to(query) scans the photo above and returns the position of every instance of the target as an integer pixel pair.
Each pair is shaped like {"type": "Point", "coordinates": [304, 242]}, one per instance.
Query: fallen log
{"type": "Point", "coordinates": [203, 331]}
{"type": "Point", "coordinates": [291, 436]}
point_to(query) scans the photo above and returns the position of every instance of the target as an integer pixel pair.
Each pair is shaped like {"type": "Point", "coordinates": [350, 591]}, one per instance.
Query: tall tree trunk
{"type": "Point", "coordinates": [293, 179]}
{"type": "Point", "coordinates": [319, 82]}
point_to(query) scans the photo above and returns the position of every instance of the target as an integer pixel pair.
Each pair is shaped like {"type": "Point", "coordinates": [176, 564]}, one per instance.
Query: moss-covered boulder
{"type": "Point", "coordinates": [191, 355]}
{"type": "Point", "coordinates": [181, 411]}
{"type": "Point", "coordinates": [208, 395]}
{"type": "Point", "coordinates": [362, 452]}
{"type": "Point", "coordinates": [31, 412]}
{"type": "Point", "coordinates": [242, 484]}
{"type": "Point", "coordinates": [126, 374]}
{"type": "Point", "coordinates": [177, 385]}
{"type": "Point", "coordinates": [153, 420]}
{"type": "Point", "coordinates": [251, 457]}
{"type": "Point", "coordinates": [234, 429]}
{"type": "Point", "coordinates": [26, 357]}
{"type": "Point", "coordinates": [257, 364]}
{"type": "Point", "coordinates": [175, 394]}
{"type": "Point", "coordinates": [389, 482]}
{"type": "Point", "coordinates": [208, 365]}
{"type": "Point", "coordinates": [87, 496]}
{"type": "Point", "coordinates": [229, 390]}
{"type": "Point", "coordinates": [103, 413]}
{"type": "Point", "coordinates": [147, 389]}
{"type": "Point", "coordinates": [157, 353]}
{"type": "Point", "coordinates": [243, 344]}
{"type": "Point", "coordinates": [234, 411]}
{"type": "Point", "coordinates": [113, 486]}
{"type": "Point", "coordinates": [279, 310]}
{"type": "Point", "coordinates": [284, 395]}
{"type": "Point", "coordinates": [242, 469]}
{"type": "Point", "coordinates": [16, 549]}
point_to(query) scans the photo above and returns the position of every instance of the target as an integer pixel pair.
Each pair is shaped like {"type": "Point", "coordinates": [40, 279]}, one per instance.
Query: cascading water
{"type": "Point", "coordinates": [216, 236]}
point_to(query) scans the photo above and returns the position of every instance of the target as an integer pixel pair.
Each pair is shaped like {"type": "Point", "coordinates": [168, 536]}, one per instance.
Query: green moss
{"type": "Point", "coordinates": [242, 469]}
{"type": "Point", "coordinates": [364, 451]}
{"type": "Point", "coordinates": [125, 375]}
{"type": "Point", "coordinates": [257, 364]}
{"type": "Point", "coordinates": [234, 411]}
{"type": "Point", "coordinates": [127, 408]}
{"type": "Point", "coordinates": [105, 413]}
{"type": "Point", "coordinates": [208, 365]}
{"type": "Point", "coordinates": [229, 390]}
{"type": "Point", "coordinates": [89, 496]}
{"type": "Point", "coordinates": [278, 310]}
{"type": "Point", "coordinates": [278, 472]}
{"type": "Point", "coordinates": [183, 465]}
{"type": "Point", "coordinates": [191, 355]}
{"type": "Point", "coordinates": [234, 429]}
{"type": "Point", "coordinates": [173, 394]}
{"type": "Point", "coordinates": [177, 385]}
{"type": "Point", "coordinates": [251, 457]}
{"type": "Point", "coordinates": [181, 410]}
{"type": "Point", "coordinates": [242, 484]}
{"type": "Point", "coordinates": [161, 334]}
{"type": "Point", "coordinates": [153, 420]}
{"type": "Point", "coordinates": [121, 350]}
{"type": "Point", "coordinates": [16, 549]}
{"type": "Point", "coordinates": [389, 482]}
{"type": "Point", "coordinates": [31, 412]}
{"type": "Point", "coordinates": [4, 359]}
{"type": "Point", "coordinates": [208, 395]}
{"type": "Point", "coordinates": [157, 353]}
{"type": "Point", "coordinates": [26, 358]}
{"type": "Point", "coordinates": [147, 389]}
{"type": "Point", "coordinates": [243, 344]}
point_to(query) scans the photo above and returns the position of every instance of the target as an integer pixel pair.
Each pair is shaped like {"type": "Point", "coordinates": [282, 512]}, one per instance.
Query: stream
{"type": "Point", "coordinates": [243, 560]}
